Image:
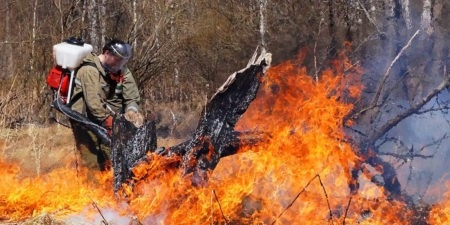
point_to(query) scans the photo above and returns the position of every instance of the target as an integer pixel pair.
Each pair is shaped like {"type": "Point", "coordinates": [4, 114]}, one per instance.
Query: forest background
{"type": "Point", "coordinates": [184, 50]}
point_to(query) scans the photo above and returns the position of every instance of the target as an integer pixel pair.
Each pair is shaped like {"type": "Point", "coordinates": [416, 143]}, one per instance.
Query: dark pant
{"type": "Point", "coordinates": [94, 154]}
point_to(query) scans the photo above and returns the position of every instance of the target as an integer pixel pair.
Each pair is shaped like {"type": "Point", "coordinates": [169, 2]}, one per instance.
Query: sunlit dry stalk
{"type": "Point", "coordinates": [316, 77]}
{"type": "Point", "coordinates": [100, 212]}
{"type": "Point", "coordinates": [295, 198]}
{"type": "Point", "coordinates": [377, 95]}
{"type": "Point", "coordinates": [5, 101]}
{"type": "Point", "coordinates": [7, 135]}
{"type": "Point", "coordinates": [369, 18]}
{"type": "Point", "coordinates": [34, 148]}
{"type": "Point", "coordinates": [386, 74]}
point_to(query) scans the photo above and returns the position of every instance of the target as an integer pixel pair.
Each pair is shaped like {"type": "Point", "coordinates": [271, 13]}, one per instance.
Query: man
{"type": "Point", "coordinates": [104, 86]}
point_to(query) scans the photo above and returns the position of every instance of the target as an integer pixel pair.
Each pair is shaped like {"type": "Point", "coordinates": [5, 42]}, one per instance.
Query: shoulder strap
{"type": "Point", "coordinates": [79, 95]}
{"type": "Point", "coordinates": [88, 64]}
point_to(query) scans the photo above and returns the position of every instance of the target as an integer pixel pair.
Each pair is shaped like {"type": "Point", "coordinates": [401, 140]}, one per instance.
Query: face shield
{"type": "Point", "coordinates": [120, 54]}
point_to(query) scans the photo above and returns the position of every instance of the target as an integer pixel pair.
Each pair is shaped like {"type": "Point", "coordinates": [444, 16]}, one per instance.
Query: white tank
{"type": "Point", "coordinates": [69, 56]}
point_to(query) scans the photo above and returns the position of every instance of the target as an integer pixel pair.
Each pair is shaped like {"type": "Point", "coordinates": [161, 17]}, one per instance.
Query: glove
{"type": "Point", "coordinates": [134, 117]}
{"type": "Point", "coordinates": [108, 123]}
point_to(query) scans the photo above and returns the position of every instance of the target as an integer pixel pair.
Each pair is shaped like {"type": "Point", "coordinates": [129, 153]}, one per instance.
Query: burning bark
{"type": "Point", "coordinates": [213, 138]}
{"type": "Point", "coordinates": [129, 145]}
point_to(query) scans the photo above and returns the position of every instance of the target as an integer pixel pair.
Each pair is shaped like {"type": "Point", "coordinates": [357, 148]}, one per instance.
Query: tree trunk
{"type": "Point", "coordinates": [214, 137]}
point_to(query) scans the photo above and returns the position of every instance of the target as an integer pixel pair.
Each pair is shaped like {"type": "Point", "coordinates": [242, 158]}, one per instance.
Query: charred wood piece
{"type": "Point", "coordinates": [129, 146]}
{"type": "Point", "coordinates": [213, 138]}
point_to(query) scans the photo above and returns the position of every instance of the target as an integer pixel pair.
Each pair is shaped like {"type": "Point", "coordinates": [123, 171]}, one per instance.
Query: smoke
{"type": "Point", "coordinates": [107, 216]}
{"type": "Point", "coordinates": [419, 152]}
{"type": "Point", "coordinates": [416, 147]}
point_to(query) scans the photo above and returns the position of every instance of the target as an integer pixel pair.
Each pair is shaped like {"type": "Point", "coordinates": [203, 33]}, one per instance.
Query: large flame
{"type": "Point", "coordinates": [61, 192]}
{"type": "Point", "coordinates": [298, 172]}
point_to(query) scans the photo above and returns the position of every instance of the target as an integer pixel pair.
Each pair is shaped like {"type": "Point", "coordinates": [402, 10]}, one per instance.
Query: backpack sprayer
{"type": "Point", "coordinates": [68, 56]}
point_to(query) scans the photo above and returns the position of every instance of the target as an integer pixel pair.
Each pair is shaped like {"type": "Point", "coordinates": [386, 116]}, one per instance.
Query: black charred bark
{"type": "Point", "coordinates": [129, 146]}
{"type": "Point", "coordinates": [214, 137]}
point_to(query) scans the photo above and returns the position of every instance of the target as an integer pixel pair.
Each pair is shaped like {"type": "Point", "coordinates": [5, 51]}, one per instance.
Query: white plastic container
{"type": "Point", "coordinates": [69, 56]}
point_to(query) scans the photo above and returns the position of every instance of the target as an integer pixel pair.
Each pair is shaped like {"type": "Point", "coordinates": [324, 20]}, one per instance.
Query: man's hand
{"type": "Point", "coordinates": [108, 123]}
{"type": "Point", "coordinates": [134, 117]}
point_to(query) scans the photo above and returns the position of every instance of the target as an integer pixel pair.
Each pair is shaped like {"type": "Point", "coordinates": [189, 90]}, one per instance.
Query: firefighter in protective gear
{"type": "Point", "coordinates": [104, 86]}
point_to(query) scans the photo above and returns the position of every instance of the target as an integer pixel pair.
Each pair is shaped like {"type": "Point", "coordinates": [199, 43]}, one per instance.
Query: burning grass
{"type": "Point", "coordinates": [300, 174]}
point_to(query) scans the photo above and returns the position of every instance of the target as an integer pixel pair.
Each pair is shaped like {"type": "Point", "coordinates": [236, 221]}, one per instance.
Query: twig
{"type": "Point", "coordinates": [295, 199]}
{"type": "Point", "coordinates": [368, 17]}
{"type": "Point", "coordinates": [316, 77]}
{"type": "Point", "coordinates": [346, 209]}
{"type": "Point", "coordinates": [374, 102]}
{"type": "Point", "coordinates": [22, 42]}
{"type": "Point", "coordinates": [220, 207]}
{"type": "Point", "coordinates": [406, 157]}
{"type": "Point", "coordinates": [326, 197]}
{"type": "Point", "coordinates": [212, 210]}
{"type": "Point", "coordinates": [400, 117]}
{"type": "Point", "coordinates": [7, 99]}
{"type": "Point", "coordinates": [351, 66]}
{"type": "Point", "coordinates": [386, 75]}
{"type": "Point", "coordinates": [99, 211]}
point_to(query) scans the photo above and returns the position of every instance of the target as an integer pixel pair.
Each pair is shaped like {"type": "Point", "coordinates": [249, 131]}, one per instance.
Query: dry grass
{"type": "Point", "coordinates": [37, 149]}
{"type": "Point", "coordinates": [44, 219]}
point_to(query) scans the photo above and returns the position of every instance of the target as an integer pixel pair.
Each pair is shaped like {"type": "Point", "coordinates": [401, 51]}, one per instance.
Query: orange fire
{"type": "Point", "coordinates": [298, 174]}
{"type": "Point", "coordinates": [440, 213]}
{"type": "Point", "coordinates": [63, 191]}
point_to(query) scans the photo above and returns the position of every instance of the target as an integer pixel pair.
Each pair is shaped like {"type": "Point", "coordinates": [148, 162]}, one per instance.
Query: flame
{"type": "Point", "coordinates": [298, 173]}
{"type": "Point", "coordinates": [440, 212]}
{"type": "Point", "coordinates": [65, 190]}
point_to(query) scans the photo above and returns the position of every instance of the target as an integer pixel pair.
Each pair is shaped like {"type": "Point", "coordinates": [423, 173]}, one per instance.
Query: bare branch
{"type": "Point", "coordinates": [401, 116]}
{"type": "Point", "coordinates": [407, 156]}
{"type": "Point", "coordinates": [386, 75]}
{"type": "Point", "coordinates": [370, 18]}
